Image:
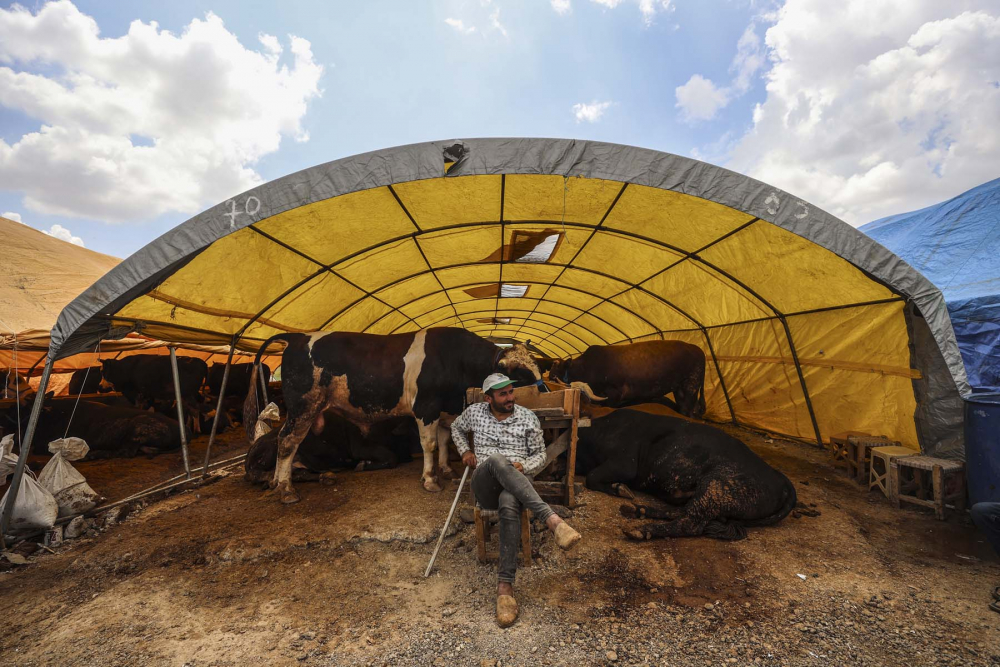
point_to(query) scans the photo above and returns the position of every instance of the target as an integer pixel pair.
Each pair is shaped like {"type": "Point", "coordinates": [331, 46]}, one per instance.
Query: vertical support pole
{"type": "Point", "coordinates": [263, 387]}
{"type": "Point", "coordinates": [22, 458]}
{"type": "Point", "coordinates": [180, 411]}
{"type": "Point", "coordinates": [218, 409]}
{"type": "Point", "coordinates": [802, 379]}
{"type": "Point", "coordinates": [574, 396]}
{"type": "Point", "coordinates": [722, 381]}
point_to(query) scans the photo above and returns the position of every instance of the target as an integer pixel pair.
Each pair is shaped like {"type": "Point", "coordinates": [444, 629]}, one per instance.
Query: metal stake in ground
{"type": "Point", "coordinates": [447, 523]}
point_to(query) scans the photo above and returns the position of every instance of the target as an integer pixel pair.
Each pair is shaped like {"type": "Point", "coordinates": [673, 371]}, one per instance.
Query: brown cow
{"type": "Point", "coordinates": [620, 375]}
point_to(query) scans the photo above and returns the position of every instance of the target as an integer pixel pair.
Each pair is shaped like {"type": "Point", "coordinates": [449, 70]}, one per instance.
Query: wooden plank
{"type": "Point", "coordinates": [557, 447]}
{"type": "Point", "coordinates": [571, 463]}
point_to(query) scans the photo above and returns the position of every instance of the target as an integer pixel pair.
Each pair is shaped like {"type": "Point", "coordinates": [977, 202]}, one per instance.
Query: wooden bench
{"type": "Point", "coordinates": [925, 480]}
{"type": "Point", "coordinates": [886, 455]}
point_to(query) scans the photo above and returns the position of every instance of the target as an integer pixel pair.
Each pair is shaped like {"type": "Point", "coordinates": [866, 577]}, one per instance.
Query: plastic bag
{"type": "Point", "coordinates": [35, 509]}
{"type": "Point", "coordinates": [7, 460]}
{"type": "Point", "coordinates": [70, 489]}
{"type": "Point", "coordinates": [72, 449]}
{"type": "Point", "coordinates": [262, 427]}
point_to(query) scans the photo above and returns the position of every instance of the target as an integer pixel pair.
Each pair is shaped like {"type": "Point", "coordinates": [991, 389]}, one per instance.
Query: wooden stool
{"type": "Point", "coordinates": [908, 477]}
{"type": "Point", "coordinates": [484, 521]}
{"type": "Point", "coordinates": [858, 454]}
{"type": "Point", "coordinates": [886, 455]}
{"type": "Point", "coordinates": [839, 446]}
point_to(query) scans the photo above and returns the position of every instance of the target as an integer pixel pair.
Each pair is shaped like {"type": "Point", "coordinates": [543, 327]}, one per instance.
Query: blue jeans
{"type": "Point", "coordinates": [987, 517]}
{"type": "Point", "coordinates": [498, 485]}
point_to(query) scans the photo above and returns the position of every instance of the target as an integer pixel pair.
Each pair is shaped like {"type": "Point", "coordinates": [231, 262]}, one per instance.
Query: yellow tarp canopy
{"type": "Point", "coordinates": [800, 339]}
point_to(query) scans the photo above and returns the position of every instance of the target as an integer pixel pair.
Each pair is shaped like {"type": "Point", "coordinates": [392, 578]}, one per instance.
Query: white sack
{"type": "Point", "coordinates": [262, 427]}
{"type": "Point", "coordinates": [34, 508]}
{"type": "Point", "coordinates": [7, 460]}
{"type": "Point", "coordinates": [72, 449]}
{"type": "Point", "coordinates": [70, 489]}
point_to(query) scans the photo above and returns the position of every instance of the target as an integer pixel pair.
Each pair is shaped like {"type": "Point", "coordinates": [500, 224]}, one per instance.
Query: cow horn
{"type": "Point", "coordinates": [585, 388]}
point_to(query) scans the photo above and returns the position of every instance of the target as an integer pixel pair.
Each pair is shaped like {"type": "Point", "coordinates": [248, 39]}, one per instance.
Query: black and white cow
{"type": "Point", "coordinates": [367, 378]}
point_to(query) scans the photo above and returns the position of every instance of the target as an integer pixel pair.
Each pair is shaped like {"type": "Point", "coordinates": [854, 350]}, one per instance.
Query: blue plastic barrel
{"type": "Point", "coordinates": [982, 447]}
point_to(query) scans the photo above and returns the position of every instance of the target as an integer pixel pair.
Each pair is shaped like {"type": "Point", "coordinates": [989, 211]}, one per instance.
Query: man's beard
{"type": "Point", "coordinates": [505, 409]}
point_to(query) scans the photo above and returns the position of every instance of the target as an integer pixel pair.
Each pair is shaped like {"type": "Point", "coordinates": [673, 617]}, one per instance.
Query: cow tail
{"type": "Point", "coordinates": [251, 405]}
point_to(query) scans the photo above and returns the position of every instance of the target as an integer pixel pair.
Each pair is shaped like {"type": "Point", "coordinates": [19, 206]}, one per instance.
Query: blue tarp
{"type": "Point", "coordinates": [956, 245]}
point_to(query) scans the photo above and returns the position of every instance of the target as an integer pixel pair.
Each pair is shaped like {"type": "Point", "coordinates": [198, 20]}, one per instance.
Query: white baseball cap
{"type": "Point", "coordinates": [496, 381]}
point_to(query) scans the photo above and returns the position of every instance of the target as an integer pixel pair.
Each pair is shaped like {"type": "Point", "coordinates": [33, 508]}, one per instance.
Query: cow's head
{"type": "Point", "coordinates": [106, 386]}
{"type": "Point", "coordinates": [560, 370]}
{"type": "Point", "coordinates": [516, 361]}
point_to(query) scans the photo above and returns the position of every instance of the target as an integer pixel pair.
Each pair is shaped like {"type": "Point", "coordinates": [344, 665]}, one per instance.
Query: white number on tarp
{"type": "Point", "coordinates": [251, 207]}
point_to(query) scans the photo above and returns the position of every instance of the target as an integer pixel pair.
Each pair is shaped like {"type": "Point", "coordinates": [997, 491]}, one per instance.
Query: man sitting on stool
{"type": "Point", "coordinates": [508, 441]}
{"type": "Point", "coordinates": [987, 517]}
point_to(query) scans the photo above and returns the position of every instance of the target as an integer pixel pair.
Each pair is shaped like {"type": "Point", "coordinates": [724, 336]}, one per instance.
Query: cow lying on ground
{"type": "Point", "coordinates": [110, 431]}
{"type": "Point", "coordinates": [340, 446]}
{"type": "Point", "coordinates": [619, 375]}
{"type": "Point", "coordinates": [718, 486]}
{"type": "Point", "coordinates": [147, 380]}
{"type": "Point", "coordinates": [368, 378]}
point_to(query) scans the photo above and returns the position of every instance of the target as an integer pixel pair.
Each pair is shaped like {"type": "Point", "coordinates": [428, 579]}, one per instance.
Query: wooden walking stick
{"type": "Point", "coordinates": [447, 522]}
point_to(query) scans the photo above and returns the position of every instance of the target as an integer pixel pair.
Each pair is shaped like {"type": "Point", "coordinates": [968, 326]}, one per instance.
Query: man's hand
{"type": "Point", "coordinates": [469, 459]}
{"type": "Point", "coordinates": [518, 467]}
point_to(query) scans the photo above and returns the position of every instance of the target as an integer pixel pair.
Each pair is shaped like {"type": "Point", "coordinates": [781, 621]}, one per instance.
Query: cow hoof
{"type": "Point", "coordinates": [327, 479]}
{"type": "Point", "coordinates": [447, 472]}
{"type": "Point", "coordinates": [432, 485]}
{"type": "Point", "coordinates": [289, 498]}
{"type": "Point", "coordinates": [634, 534]}
{"type": "Point", "coordinates": [628, 511]}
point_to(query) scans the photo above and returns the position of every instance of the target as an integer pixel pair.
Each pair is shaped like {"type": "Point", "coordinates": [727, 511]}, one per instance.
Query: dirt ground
{"type": "Point", "coordinates": [225, 575]}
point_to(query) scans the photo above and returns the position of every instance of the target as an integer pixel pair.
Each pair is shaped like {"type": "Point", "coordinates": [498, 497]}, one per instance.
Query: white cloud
{"type": "Point", "coordinates": [63, 234]}
{"type": "Point", "coordinates": [10, 215]}
{"type": "Point", "coordinates": [135, 126]}
{"type": "Point", "coordinates": [877, 108]}
{"type": "Point", "coordinates": [699, 98]}
{"type": "Point", "coordinates": [495, 22]}
{"type": "Point", "coordinates": [561, 6]}
{"type": "Point", "coordinates": [647, 8]}
{"type": "Point", "coordinates": [459, 25]}
{"type": "Point", "coordinates": [590, 113]}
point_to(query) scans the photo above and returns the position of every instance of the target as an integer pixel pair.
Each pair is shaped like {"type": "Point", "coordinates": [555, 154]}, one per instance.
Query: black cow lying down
{"type": "Point", "coordinates": [718, 486]}
{"type": "Point", "coordinates": [109, 430]}
{"type": "Point", "coordinates": [340, 446]}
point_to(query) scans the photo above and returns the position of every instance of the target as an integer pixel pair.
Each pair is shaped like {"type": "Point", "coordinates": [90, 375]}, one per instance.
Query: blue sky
{"type": "Point", "coordinates": [396, 73]}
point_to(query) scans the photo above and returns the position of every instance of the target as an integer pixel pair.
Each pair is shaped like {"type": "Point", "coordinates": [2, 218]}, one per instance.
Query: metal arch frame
{"type": "Point", "coordinates": [329, 269]}
{"type": "Point", "coordinates": [325, 267]}
{"type": "Point", "coordinates": [525, 282]}
{"type": "Point", "coordinates": [652, 327]}
{"type": "Point", "coordinates": [567, 347]}
{"type": "Point", "coordinates": [593, 231]}
{"type": "Point", "coordinates": [682, 259]}
{"type": "Point", "coordinates": [576, 337]}
{"type": "Point", "coordinates": [685, 255]}
{"type": "Point", "coordinates": [503, 237]}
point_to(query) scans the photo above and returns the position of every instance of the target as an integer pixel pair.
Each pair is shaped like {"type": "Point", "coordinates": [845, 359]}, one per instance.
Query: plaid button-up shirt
{"type": "Point", "coordinates": [518, 437]}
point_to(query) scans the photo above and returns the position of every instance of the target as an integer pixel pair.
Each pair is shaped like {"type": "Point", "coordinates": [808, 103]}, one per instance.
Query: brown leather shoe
{"type": "Point", "coordinates": [506, 610]}
{"type": "Point", "coordinates": [566, 537]}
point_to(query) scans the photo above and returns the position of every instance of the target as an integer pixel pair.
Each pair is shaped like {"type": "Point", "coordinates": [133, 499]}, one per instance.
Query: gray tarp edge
{"type": "Point", "coordinates": [565, 157]}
